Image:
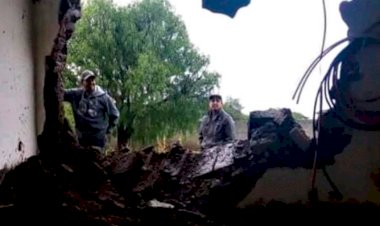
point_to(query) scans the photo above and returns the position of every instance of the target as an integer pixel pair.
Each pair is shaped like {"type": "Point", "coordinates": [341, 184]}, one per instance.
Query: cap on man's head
{"type": "Point", "coordinates": [86, 74]}
{"type": "Point", "coordinates": [215, 96]}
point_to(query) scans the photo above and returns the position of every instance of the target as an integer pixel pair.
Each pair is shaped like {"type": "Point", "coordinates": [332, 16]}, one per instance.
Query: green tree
{"type": "Point", "coordinates": [299, 116]}
{"type": "Point", "coordinates": [233, 107]}
{"type": "Point", "coordinates": [145, 60]}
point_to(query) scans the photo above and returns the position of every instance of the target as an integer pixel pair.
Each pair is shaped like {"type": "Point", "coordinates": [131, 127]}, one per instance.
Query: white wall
{"type": "Point", "coordinates": [352, 173]}
{"type": "Point", "coordinates": [27, 31]}
{"type": "Point", "coordinates": [17, 121]}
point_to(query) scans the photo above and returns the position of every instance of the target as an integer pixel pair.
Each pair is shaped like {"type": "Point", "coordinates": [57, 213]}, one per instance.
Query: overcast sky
{"type": "Point", "coordinates": [263, 52]}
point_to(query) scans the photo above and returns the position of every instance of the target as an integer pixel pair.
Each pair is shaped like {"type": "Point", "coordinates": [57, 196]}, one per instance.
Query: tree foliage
{"type": "Point", "coordinates": [299, 116]}
{"type": "Point", "coordinates": [233, 107]}
{"type": "Point", "coordinates": [145, 60]}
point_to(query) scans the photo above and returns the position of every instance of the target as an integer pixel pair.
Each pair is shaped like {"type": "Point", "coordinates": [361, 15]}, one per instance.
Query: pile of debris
{"type": "Point", "coordinates": [76, 185]}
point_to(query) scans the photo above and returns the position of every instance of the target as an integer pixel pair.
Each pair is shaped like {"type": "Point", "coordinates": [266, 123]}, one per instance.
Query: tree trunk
{"type": "Point", "coordinates": [124, 133]}
{"type": "Point", "coordinates": [125, 129]}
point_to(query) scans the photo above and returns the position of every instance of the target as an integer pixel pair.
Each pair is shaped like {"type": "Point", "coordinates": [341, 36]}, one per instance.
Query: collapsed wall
{"type": "Point", "coordinates": [79, 185]}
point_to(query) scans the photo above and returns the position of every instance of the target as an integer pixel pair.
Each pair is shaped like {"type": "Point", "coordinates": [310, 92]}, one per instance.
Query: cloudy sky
{"type": "Point", "coordinates": [263, 52]}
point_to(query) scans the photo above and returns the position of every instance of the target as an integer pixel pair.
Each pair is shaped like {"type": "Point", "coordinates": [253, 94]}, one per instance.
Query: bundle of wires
{"type": "Point", "coordinates": [334, 90]}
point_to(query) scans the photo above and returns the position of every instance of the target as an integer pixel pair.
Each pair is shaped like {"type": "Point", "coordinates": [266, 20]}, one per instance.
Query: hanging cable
{"type": "Point", "coordinates": [344, 70]}
{"type": "Point", "coordinates": [313, 194]}
{"type": "Point", "coordinates": [323, 95]}
{"type": "Point", "coordinates": [306, 75]}
{"type": "Point", "coordinates": [333, 90]}
{"type": "Point", "coordinates": [324, 25]}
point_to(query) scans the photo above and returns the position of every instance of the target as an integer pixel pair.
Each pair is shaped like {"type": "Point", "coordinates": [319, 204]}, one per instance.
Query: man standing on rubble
{"type": "Point", "coordinates": [94, 111]}
{"type": "Point", "coordinates": [217, 127]}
